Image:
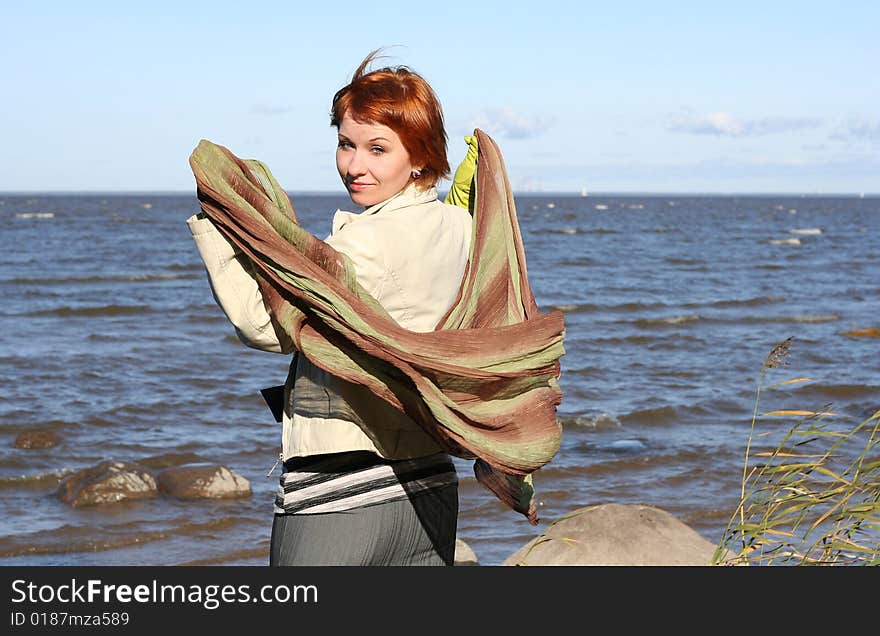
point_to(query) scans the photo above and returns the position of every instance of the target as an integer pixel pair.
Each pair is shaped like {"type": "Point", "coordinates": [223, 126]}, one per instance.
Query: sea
{"type": "Point", "coordinates": [110, 338]}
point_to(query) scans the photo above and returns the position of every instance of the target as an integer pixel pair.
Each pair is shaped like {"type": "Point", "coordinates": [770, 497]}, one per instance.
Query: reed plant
{"type": "Point", "coordinates": [812, 497]}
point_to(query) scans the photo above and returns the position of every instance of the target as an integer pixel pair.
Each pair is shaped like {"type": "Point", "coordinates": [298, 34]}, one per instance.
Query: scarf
{"type": "Point", "coordinates": [484, 383]}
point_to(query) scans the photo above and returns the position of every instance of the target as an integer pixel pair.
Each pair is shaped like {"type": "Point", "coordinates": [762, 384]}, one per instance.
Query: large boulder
{"type": "Point", "coordinates": [616, 534]}
{"type": "Point", "coordinates": [37, 439]}
{"type": "Point", "coordinates": [167, 460]}
{"type": "Point", "coordinates": [203, 481]}
{"type": "Point", "coordinates": [107, 482]}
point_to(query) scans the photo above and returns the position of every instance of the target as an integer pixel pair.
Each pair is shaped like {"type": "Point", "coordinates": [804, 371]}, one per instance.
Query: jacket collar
{"type": "Point", "coordinates": [409, 196]}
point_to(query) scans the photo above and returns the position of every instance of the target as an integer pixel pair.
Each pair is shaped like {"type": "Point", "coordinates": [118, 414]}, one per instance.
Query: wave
{"type": "Point", "coordinates": [200, 314]}
{"type": "Point", "coordinates": [42, 480]}
{"type": "Point", "coordinates": [572, 308]}
{"type": "Point", "coordinates": [97, 420]}
{"type": "Point", "coordinates": [656, 415]}
{"type": "Point", "coordinates": [673, 341]}
{"type": "Point", "coordinates": [785, 241]}
{"type": "Point", "coordinates": [576, 230]}
{"type": "Point", "coordinates": [810, 318]}
{"type": "Point", "coordinates": [187, 267]}
{"type": "Point", "coordinates": [104, 310]}
{"type": "Point", "coordinates": [806, 231]}
{"type": "Point", "coordinates": [584, 372]}
{"type": "Point", "coordinates": [579, 262]}
{"type": "Point", "coordinates": [67, 539]}
{"type": "Point", "coordinates": [576, 308]}
{"type": "Point", "coordinates": [673, 414]}
{"type": "Point", "coordinates": [743, 302]}
{"type": "Point", "coordinates": [800, 318]}
{"type": "Point", "coordinates": [625, 340]}
{"type": "Point", "coordinates": [133, 278]}
{"type": "Point", "coordinates": [600, 422]}
{"type": "Point", "coordinates": [868, 332]}
{"type": "Point", "coordinates": [666, 321]}
{"type": "Point", "coordinates": [669, 321]}
{"type": "Point", "coordinates": [11, 427]}
{"type": "Point", "coordinates": [686, 462]}
{"type": "Point", "coordinates": [838, 391]}
{"type": "Point", "coordinates": [618, 446]}
{"type": "Point", "coordinates": [592, 465]}
{"type": "Point", "coordinates": [35, 215]}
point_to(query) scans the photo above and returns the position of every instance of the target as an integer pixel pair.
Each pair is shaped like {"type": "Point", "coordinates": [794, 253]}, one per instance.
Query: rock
{"type": "Point", "coordinates": [37, 439]}
{"type": "Point", "coordinates": [107, 482]}
{"type": "Point", "coordinates": [203, 481]}
{"type": "Point", "coordinates": [464, 555]}
{"type": "Point", "coordinates": [167, 460]}
{"type": "Point", "coordinates": [616, 534]}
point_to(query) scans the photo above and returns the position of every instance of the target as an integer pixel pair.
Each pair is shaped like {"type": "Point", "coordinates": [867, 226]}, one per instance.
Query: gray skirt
{"type": "Point", "coordinates": [419, 529]}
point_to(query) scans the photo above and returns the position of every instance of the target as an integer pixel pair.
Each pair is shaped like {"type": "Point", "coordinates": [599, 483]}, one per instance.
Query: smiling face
{"type": "Point", "coordinates": [372, 161]}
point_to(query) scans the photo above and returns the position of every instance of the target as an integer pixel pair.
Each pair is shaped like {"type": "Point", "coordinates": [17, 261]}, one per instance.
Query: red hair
{"type": "Point", "coordinates": [401, 99]}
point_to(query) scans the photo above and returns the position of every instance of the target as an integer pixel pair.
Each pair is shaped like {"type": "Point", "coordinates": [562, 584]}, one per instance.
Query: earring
{"type": "Point", "coordinates": [416, 173]}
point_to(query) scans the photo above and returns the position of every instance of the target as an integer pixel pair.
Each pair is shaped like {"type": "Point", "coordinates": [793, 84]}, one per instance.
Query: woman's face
{"type": "Point", "coordinates": [372, 161]}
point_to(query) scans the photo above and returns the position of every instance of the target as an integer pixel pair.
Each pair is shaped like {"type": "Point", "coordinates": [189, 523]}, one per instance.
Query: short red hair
{"type": "Point", "coordinates": [401, 99]}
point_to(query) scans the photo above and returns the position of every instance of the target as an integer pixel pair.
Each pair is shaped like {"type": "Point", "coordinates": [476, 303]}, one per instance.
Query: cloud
{"type": "Point", "coordinates": [270, 109]}
{"type": "Point", "coordinates": [505, 122]}
{"type": "Point", "coordinates": [726, 125]}
{"type": "Point", "coordinates": [857, 129]}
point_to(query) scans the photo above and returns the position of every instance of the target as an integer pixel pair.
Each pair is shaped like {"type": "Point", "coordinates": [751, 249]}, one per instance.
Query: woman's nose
{"type": "Point", "coordinates": [356, 166]}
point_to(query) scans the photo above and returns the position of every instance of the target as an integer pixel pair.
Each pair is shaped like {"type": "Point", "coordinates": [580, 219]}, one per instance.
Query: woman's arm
{"type": "Point", "coordinates": [235, 288]}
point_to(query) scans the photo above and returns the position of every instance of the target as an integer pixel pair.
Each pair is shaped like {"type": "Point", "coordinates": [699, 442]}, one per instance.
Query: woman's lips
{"type": "Point", "coordinates": [358, 187]}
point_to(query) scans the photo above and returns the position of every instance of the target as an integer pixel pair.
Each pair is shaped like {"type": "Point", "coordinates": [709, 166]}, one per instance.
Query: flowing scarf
{"type": "Point", "coordinates": [483, 384]}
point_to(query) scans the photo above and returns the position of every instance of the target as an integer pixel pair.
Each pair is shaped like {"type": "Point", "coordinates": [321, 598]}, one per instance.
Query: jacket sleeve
{"type": "Point", "coordinates": [235, 288]}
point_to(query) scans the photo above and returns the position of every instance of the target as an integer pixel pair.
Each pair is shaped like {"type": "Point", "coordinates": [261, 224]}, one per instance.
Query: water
{"type": "Point", "coordinates": [110, 338]}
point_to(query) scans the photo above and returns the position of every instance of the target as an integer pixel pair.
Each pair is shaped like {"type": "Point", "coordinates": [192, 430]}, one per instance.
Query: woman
{"type": "Point", "coordinates": [363, 484]}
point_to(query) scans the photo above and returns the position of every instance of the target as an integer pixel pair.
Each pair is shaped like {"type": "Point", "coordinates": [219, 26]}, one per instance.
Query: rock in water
{"type": "Point", "coordinates": [107, 482]}
{"type": "Point", "coordinates": [616, 534]}
{"type": "Point", "coordinates": [37, 439]}
{"type": "Point", "coordinates": [464, 555]}
{"type": "Point", "coordinates": [203, 481]}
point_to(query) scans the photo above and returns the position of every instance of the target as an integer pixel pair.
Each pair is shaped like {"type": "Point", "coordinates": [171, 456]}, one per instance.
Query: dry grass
{"type": "Point", "coordinates": [813, 496]}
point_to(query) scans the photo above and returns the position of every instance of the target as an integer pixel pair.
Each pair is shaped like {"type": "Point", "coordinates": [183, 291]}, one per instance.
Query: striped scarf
{"type": "Point", "coordinates": [484, 383]}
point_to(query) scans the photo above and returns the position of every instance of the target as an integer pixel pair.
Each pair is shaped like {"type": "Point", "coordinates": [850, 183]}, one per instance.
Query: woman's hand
{"type": "Point", "coordinates": [463, 192]}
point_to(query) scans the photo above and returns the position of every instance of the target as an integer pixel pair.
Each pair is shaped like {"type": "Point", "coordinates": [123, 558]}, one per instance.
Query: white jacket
{"type": "Point", "coordinates": [410, 253]}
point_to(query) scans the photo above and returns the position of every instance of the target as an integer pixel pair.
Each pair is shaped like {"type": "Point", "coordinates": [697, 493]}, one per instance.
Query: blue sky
{"type": "Point", "coordinates": [611, 97]}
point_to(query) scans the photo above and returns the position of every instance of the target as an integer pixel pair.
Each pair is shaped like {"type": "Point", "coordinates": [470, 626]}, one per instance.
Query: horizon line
{"type": "Point", "coordinates": [536, 193]}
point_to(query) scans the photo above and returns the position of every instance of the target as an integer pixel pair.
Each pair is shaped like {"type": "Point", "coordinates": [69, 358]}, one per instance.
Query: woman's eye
{"type": "Point", "coordinates": [377, 150]}
{"type": "Point", "coordinates": [344, 144]}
